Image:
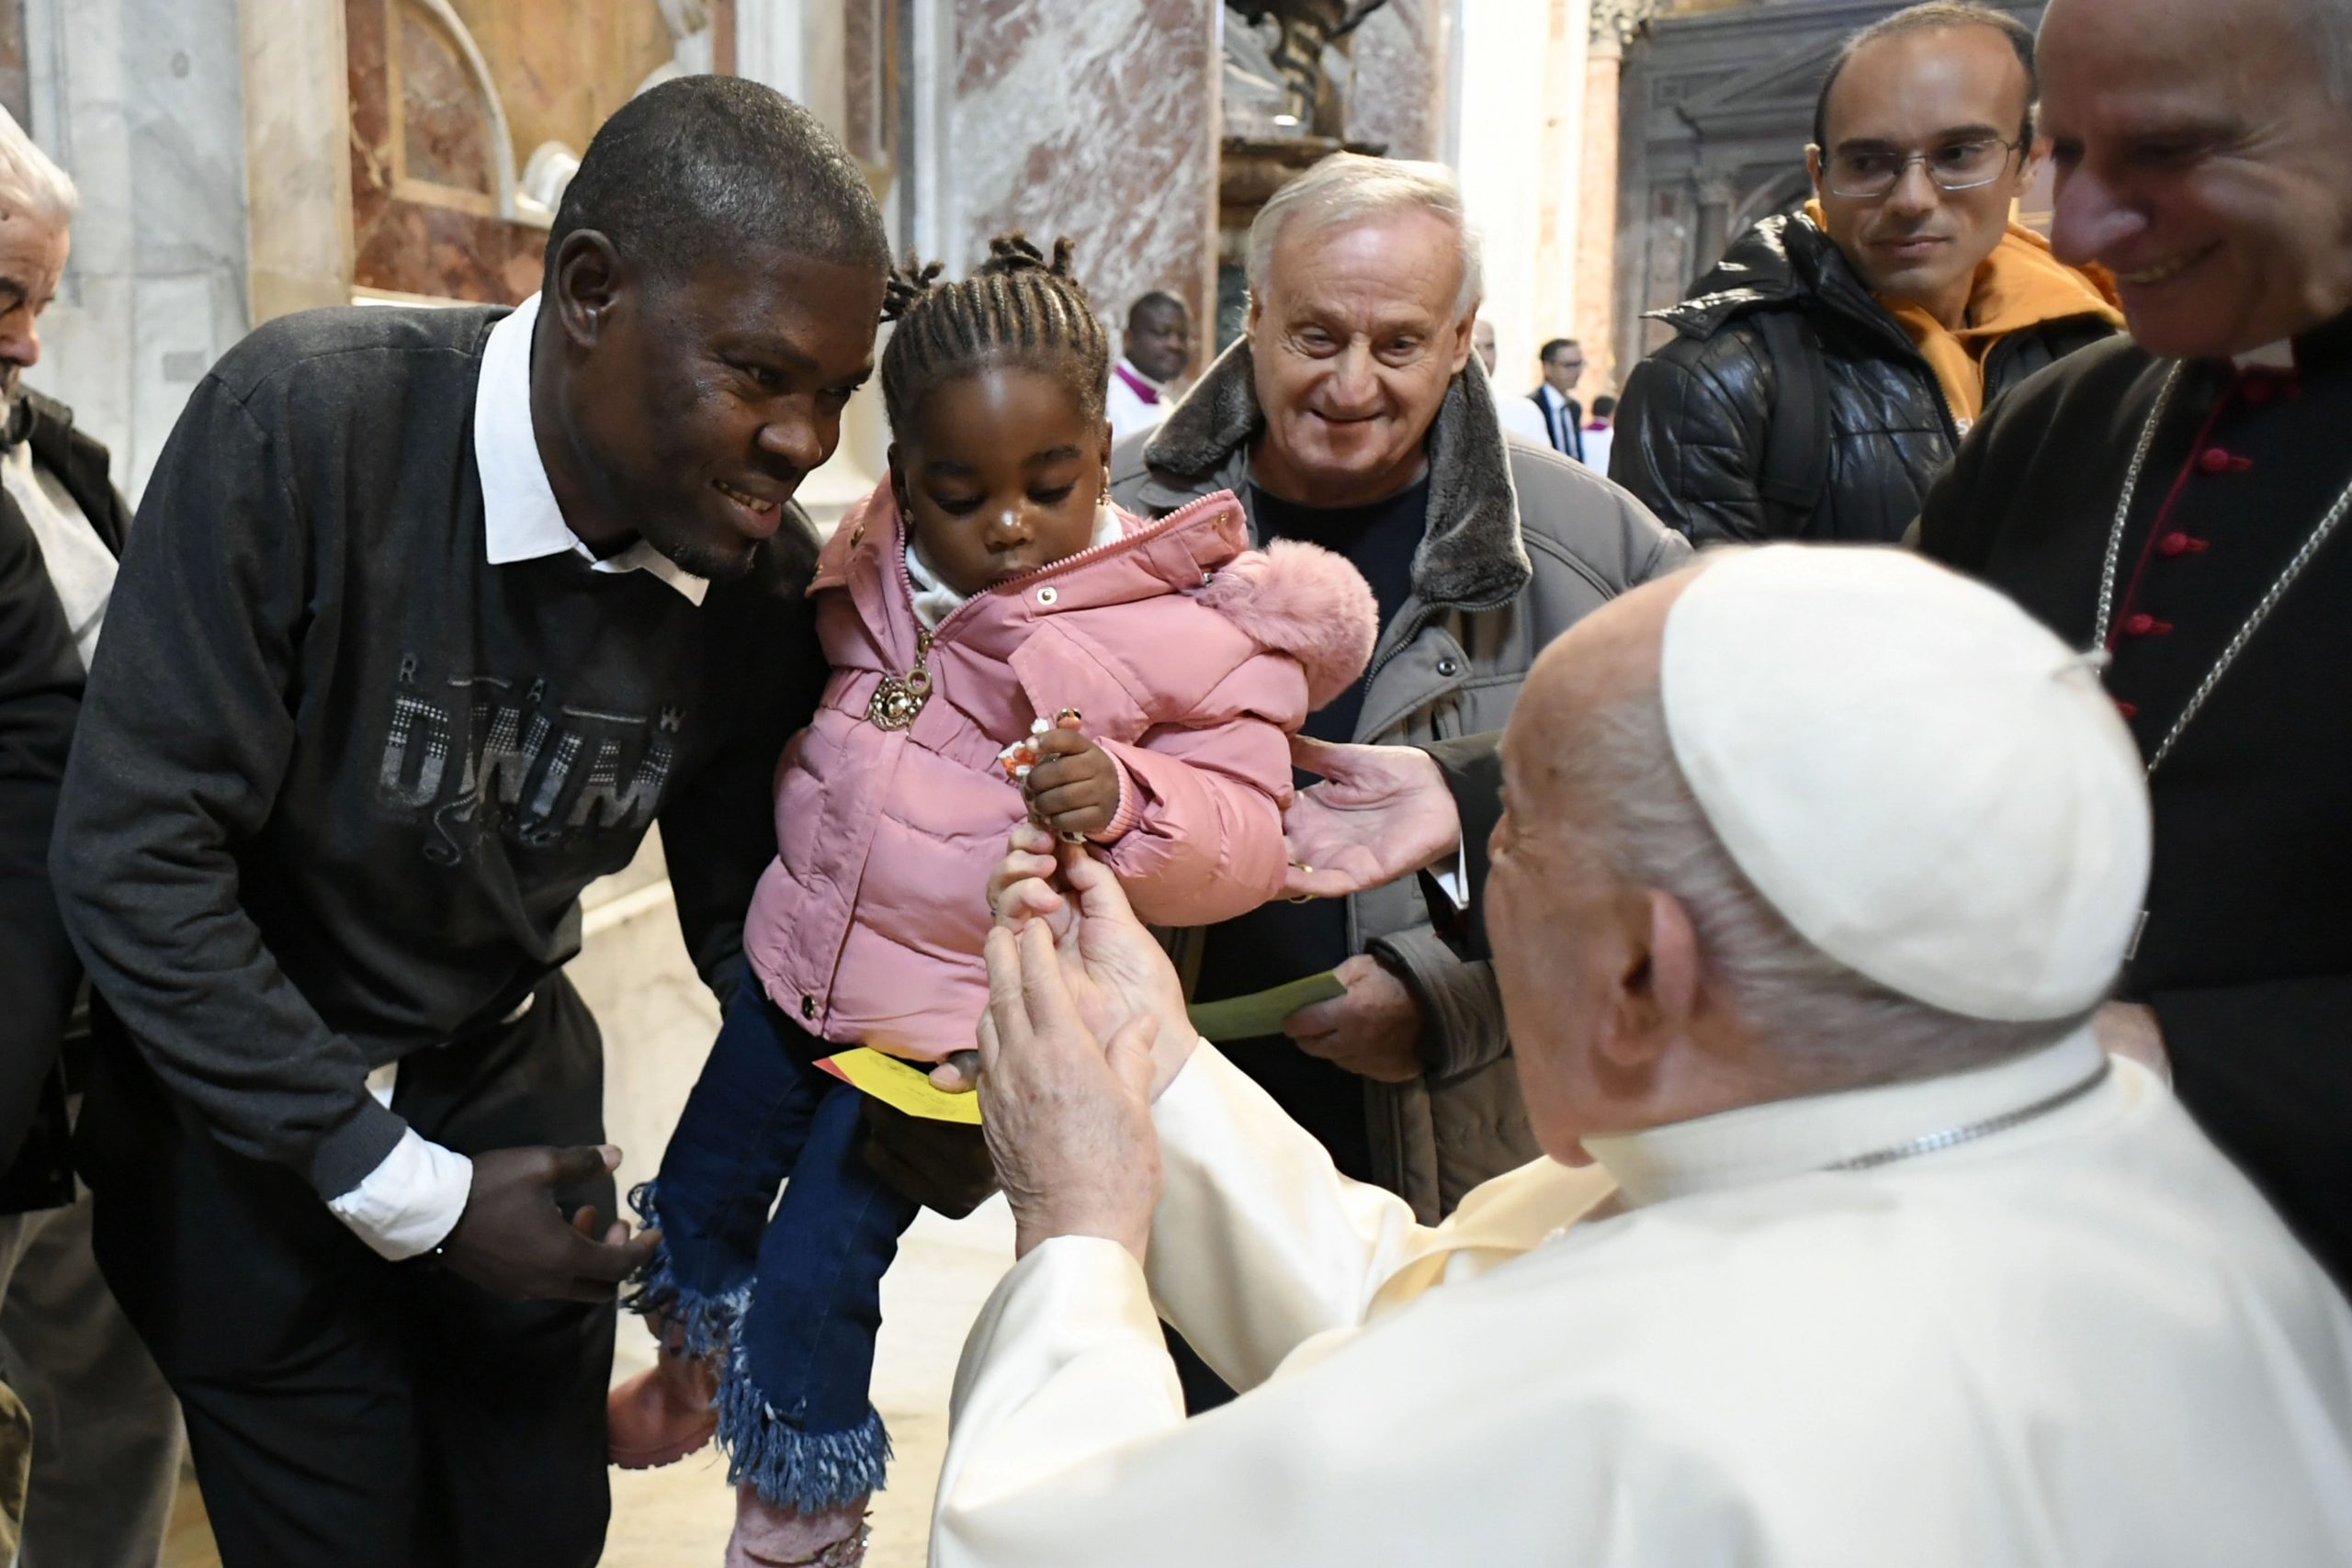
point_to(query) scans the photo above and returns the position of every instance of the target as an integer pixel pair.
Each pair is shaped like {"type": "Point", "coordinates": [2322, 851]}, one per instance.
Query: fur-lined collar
{"type": "Point", "coordinates": [1470, 557]}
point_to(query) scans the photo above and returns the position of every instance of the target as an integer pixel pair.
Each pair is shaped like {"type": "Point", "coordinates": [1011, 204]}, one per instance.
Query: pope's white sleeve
{"type": "Point", "coordinates": [1408, 1443]}
{"type": "Point", "coordinates": [1259, 1244]}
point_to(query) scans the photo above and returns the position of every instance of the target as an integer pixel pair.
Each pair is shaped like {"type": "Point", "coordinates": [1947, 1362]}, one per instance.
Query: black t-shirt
{"type": "Point", "coordinates": [1283, 942]}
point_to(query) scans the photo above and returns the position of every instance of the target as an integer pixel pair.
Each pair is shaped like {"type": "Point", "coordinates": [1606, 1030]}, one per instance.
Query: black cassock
{"type": "Point", "coordinates": [2246, 953]}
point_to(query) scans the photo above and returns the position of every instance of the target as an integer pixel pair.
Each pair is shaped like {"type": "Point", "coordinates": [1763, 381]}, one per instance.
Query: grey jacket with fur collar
{"type": "Point", "coordinates": [1521, 543]}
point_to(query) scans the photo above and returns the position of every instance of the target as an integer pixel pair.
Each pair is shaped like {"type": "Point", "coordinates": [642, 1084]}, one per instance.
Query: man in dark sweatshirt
{"type": "Point", "coordinates": [428, 616]}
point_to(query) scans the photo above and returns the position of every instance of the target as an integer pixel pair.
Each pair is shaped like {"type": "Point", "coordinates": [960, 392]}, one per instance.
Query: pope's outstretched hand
{"type": "Point", "coordinates": [1067, 1069]}
{"type": "Point", "coordinates": [1112, 966]}
{"type": "Point", "coordinates": [1381, 812]}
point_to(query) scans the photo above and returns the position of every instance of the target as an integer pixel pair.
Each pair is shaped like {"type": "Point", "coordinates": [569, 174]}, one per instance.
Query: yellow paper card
{"type": "Point", "coordinates": [902, 1086]}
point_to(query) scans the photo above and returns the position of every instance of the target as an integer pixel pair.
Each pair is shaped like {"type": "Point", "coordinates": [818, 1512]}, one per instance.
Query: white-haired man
{"type": "Point", "coordinates": [1900, 1266]}
{"type": "Point", "coordinates": [2174, 500]}
{"type": "Point", "coordinates": [1519, 416]}
{"type": "Point", "coordinates": [1353, 414]}
{"type": "Point", "coordinates": [105, 1432]}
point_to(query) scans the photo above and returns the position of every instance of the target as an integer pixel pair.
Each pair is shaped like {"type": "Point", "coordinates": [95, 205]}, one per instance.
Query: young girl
{"type": "Point", "coordinates": [987, 585]}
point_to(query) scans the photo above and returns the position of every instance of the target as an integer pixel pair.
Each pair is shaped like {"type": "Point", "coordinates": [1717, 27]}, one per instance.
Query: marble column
{"type": "Point", "coordinates": [1093, 119]}
{"type": "Point", "coordinates": [1597, 215]}
{"type": "Point", "coordinates": [1521, 76]}
{"type": "Point", "coordinates": [1397, 83]}
{"type": "Point", "coordinates": [142, 101]}
{"type": "Point", "coordinates": [297, 133]}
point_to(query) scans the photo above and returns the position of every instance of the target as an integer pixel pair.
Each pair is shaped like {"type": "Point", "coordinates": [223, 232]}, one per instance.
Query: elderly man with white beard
{"type": "Point", "coordinates": [1851, 1246]}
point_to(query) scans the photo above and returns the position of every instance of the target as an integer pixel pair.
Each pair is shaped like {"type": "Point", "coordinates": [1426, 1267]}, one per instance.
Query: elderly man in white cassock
{"type": "Point", "coordinates": [1852, 1245]}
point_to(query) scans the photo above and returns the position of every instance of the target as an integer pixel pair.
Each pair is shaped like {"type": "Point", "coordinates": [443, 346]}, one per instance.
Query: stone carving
{"type": "Point", "coordinates": [1616, 21]}
{"type": "Point", "coordinates": [453, 128]}
{"type": "Point", "coordinates": [1292, 37]}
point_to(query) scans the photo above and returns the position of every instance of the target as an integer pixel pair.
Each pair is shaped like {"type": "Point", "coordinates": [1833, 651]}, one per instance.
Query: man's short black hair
{"type": "Point", "coordinates": [1602, 406]}
{"type": "Point", "coordinates": [705, 166]}
{"type": "Point", "coordinates": [1920, 18]}
{"type": "Point", "coordinates": [1553, 347]}
{"type": "Point", "coordinates": [1158, 300]}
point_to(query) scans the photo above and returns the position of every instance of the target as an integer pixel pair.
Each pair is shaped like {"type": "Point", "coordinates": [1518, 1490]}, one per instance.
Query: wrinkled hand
{"type": "Point", "coordinates": [512, 1240]}
{"type": "Point", "coordinates": [1373, 1031]}
{"type": "Point", "coordinates": [2129, 1028]}
{"type": "Point", "coordinates": [1073, 787]}
{"type": "Point", "coordinates": [1113, 968]}
{"type": "Point", "coordinates": [1068, 1118]}
{"type": "Point", "coordinates": [1380, 813]}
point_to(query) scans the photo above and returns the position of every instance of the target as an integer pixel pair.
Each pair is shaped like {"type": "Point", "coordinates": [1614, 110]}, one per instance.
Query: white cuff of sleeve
{"type": "Point", "coordinates": [411, 1202]}
{"type": "Point", "coordinates": [1454, 880]}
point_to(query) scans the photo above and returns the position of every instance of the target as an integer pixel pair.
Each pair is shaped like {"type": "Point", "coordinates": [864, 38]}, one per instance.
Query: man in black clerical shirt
{"type": "Point", "coordinates": [427, 618]}
{"type": "Point", "coordinates": [1352, 415]}
{"type": "Point", "coordinates": [2176, 501]}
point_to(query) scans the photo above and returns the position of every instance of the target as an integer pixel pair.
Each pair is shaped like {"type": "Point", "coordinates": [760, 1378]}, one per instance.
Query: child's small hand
{"type": "Point", "coordinates": [1073, 787]}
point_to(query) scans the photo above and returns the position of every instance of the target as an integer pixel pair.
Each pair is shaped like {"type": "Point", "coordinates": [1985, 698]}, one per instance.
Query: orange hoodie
{"type": "Point", "coordinates": [2020, 284]}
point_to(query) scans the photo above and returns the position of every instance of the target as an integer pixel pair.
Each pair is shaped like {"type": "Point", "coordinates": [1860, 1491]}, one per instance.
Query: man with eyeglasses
{"type": "Point", "coordinates": [2180, 502]}
{"type": "Point", "coordinates": [1821, 375]}
{"type": "Point", "coordinates": [1562, 360]}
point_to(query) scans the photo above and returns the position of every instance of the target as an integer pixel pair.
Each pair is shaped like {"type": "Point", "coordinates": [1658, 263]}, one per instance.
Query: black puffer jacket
{"type": "Point", "coordinates": [1691, 426]}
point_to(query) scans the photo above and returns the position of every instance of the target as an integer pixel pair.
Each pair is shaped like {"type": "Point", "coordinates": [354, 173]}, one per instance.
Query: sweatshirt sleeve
{"type": "Point", "coordinates": [40, 680]}
{"type": "Point", "coordinates": [185, 733]}
{"type": "Point", "coordinates": [718, 834]}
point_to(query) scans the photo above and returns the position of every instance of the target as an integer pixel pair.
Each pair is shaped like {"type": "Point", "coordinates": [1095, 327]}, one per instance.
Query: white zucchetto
{"type": "Point", "coordinates": [1922, 779]}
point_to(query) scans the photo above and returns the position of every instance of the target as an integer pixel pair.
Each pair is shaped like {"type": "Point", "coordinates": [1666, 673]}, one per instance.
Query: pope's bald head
{"type": "Point", "coordinates": [1589, 673]}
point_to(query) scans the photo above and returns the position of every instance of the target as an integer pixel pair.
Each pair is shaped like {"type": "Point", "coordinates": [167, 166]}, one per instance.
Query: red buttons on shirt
{"type": "Point", "coordinates": [2260, 386]}
{"type": "Point", "coordinates": [2179, 544]}
{"type": "Point", "coordinates": [2129, 710]}
{"type": "Point", "coordinates": [2214, 460]}
{"type": "Point", "coordinates": [2145, 624]}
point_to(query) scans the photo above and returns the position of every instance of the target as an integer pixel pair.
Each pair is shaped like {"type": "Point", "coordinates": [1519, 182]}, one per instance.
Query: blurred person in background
{"type": "Point", "coordinates": [105, 1432]}
{"type": "Point", "coordinates": [1154, 351]}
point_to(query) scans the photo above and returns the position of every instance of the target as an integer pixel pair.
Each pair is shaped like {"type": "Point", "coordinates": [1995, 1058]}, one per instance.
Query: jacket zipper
{"type": "Point", "coordinates": [1014, 585]}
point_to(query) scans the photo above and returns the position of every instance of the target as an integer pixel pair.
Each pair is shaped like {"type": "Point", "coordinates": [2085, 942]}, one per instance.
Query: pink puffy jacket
{"type": "Point", "coordinates": [1190, 656]}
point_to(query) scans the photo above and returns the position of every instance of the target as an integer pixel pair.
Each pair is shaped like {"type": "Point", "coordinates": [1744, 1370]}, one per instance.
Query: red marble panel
{"type": "Point", "coordinates": [407, 245]}
{"type": "Point", "coordinates": [446, 127]}
{"type": "Point", "coordinates": [1092, 119]}
{"type": "Point", "coordinates": [16, 88]}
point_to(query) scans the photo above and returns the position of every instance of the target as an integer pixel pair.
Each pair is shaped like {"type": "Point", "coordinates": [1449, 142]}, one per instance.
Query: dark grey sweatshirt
{"type": "Point", "coordinates": [339, 781]}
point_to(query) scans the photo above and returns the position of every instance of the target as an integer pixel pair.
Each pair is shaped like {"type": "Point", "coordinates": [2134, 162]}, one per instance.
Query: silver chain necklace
{"type": "Point", "coordinates": [2269, 601]}
{"type": "Point", "coordinates": [1952, 1137]}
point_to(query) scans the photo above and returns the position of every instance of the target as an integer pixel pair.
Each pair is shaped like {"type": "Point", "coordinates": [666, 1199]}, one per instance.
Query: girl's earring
{"type": "Point", "coordinates": [1105, 508]}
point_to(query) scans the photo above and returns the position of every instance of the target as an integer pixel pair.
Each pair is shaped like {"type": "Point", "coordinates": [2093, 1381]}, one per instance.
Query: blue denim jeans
{"type": "Point", "coordinates": [788, 1300]}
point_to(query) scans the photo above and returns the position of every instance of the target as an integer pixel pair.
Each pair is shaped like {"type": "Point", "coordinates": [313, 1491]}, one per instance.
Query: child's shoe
{"type": "Point", "coordinates": [663, 1414]}
{"type": "Point", "coordinates": [769, 1537]}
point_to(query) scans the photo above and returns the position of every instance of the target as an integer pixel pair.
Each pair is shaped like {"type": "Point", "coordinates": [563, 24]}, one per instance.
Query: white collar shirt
{"type": "Point", "coordinates": [521, 520]}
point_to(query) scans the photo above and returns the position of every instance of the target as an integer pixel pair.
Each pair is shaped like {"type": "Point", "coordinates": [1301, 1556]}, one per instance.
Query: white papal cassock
{"type": "Point", "coordinates": [2079, 1339]}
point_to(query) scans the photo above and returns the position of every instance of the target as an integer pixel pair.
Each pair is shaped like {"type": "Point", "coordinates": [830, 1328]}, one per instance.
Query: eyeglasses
{"type": "Point", "coordinates": [1868, 172]}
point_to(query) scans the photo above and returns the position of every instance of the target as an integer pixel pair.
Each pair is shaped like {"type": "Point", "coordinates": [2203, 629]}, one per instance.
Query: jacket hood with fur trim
{"type": "Point", "coordinates": [1472, 556]}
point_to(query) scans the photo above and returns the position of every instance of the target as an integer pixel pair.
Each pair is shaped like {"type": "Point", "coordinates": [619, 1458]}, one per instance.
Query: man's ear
{"type": "Point", "coordinates": [1655, 989]}
{"type": "Point", "coordinates": [1813, 169]}
{"type": "Point", "coordinates": [1462, 346]}
{"type": "Point", "coordinates": [590, 280]}
{"type": "Point", "coordinates": [2030, 163]}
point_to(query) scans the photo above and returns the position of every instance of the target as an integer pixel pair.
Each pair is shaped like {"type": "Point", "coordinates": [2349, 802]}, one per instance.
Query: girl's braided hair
{"type": "Point", "coordinates": [1019, 307]}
